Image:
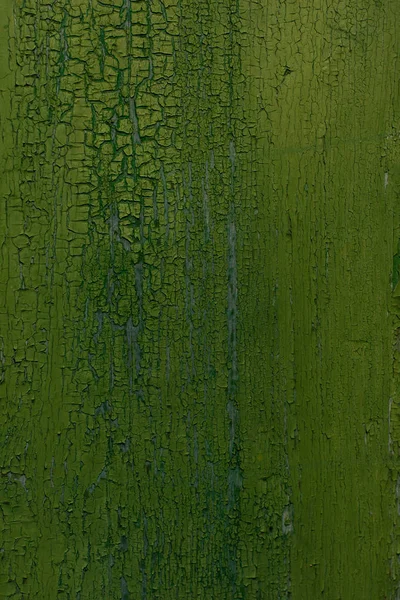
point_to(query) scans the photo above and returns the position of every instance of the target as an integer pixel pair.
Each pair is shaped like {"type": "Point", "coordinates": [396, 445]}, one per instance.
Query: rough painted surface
{"type": "Point", "coordinates": [199, 245]}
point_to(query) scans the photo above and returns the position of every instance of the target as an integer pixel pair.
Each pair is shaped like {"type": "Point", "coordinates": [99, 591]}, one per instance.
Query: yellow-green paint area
{"type": "Point", "coordinates": [199, 246]}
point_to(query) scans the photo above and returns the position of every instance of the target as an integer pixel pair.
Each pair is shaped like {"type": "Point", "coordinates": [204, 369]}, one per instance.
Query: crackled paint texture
{"type": "Point", "coordinates": [200, 319]}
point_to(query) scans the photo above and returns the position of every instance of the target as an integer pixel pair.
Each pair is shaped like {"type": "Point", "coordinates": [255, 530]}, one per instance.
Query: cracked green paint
{"type": "Point", "coordinates": [198, 333]}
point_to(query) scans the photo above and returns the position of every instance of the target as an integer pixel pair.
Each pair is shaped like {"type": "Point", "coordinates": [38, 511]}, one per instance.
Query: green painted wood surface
{"type": "Point", "coordinates": [199, 253]}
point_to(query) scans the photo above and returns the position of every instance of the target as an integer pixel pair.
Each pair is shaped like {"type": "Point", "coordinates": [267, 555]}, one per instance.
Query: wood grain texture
{"type": "Point", "coordinates": [199, 319]}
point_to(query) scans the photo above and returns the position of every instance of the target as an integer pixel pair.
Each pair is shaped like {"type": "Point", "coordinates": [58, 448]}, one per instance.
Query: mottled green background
{"type": "Point", "coordinates": [199, 338]}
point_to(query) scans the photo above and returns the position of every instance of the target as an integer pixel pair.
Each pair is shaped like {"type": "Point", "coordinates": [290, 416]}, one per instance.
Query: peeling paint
{"type": "Point", "coordinates": [200, 305]}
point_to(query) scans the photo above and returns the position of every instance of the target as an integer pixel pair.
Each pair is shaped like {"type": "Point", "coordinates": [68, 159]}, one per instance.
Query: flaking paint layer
{"type": "Point", "coordinates": [198, 328]}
